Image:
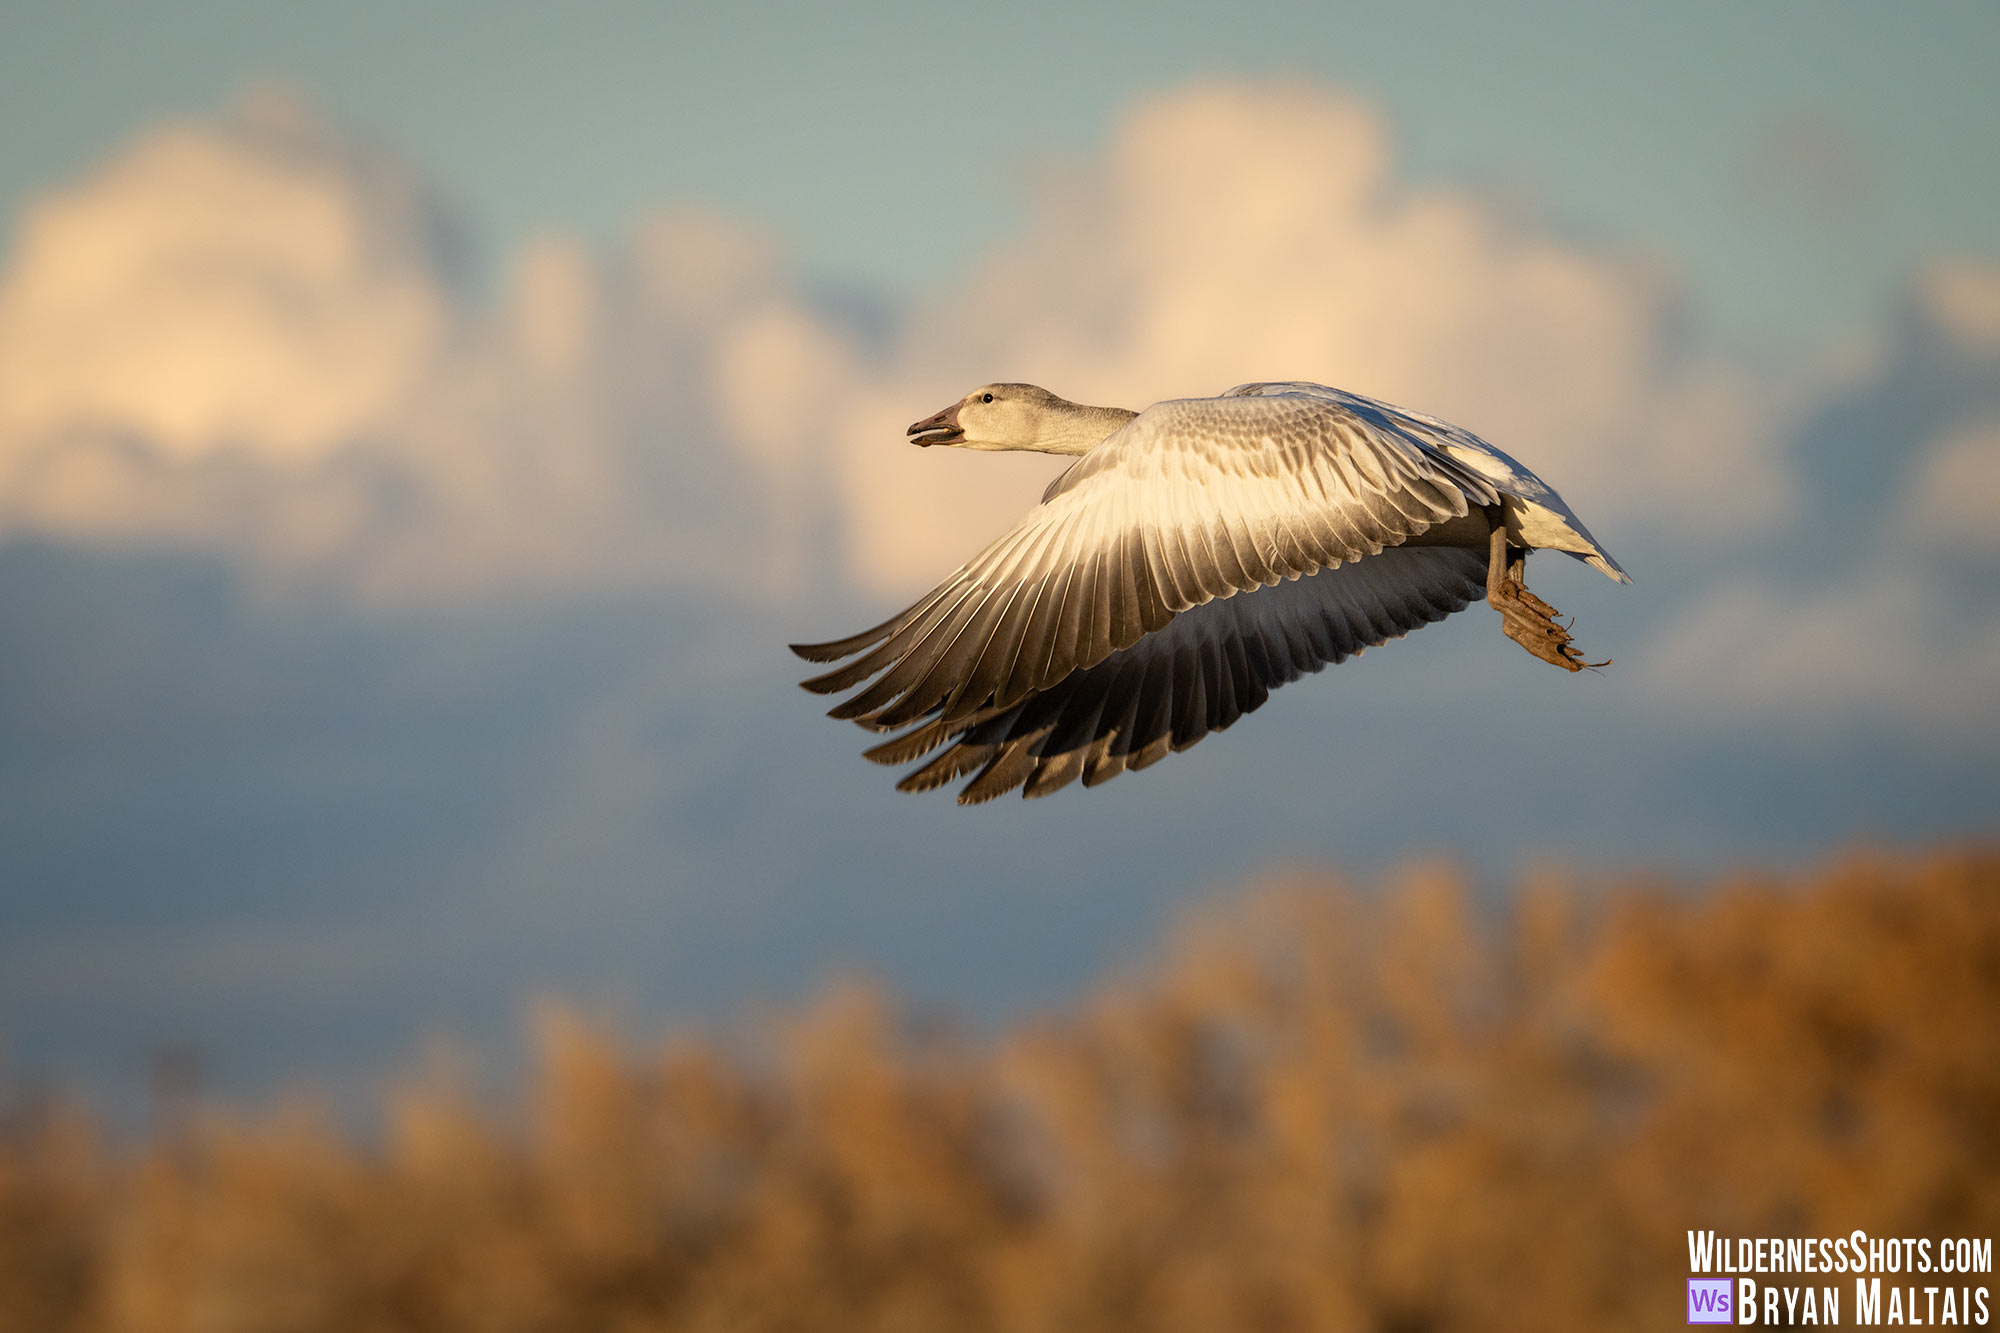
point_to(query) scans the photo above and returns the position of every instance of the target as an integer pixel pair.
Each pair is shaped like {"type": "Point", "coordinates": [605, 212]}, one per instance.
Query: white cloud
{"type": "Point", "coordinates": [244, 335]}
{"type": "Point", "coordinates": [1962, 295]}
{"type": "Point", "coordinates": [1900, 622]}
{"type": "Point", "coordinates": [1950, 503]}
{"type": "Point", "coordinates": [260, 285]}
{"type": "Point", "coordinates": [1234, 232]}
{"type": "Point", "coordinates": [1891, 645]}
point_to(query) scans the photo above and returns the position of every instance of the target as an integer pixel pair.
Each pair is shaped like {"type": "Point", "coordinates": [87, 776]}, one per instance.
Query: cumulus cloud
{"type": "Point", "coordinates": [1894, 615]}
{"type": "Point", "coordinates": [261, 286]}
{"type": "Point", "coordinates": [1233, 232]}
{"type": "Point", "coordinates": [1961, 296]}
{"type": "Point", "coordinates": [1949, 505]}
{"type": "Point", "coordinates": [1893, 646]}
{"type": "Point", "coordinates": [246, 333]}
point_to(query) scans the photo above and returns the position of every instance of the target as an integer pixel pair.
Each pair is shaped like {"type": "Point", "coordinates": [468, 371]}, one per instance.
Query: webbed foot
{"type": "Point", "coordinates": [1526, 618]}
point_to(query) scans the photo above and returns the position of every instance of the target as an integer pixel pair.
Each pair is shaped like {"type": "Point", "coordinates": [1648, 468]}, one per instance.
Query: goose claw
{"type": "Point", "coordinates": [1531, 622]}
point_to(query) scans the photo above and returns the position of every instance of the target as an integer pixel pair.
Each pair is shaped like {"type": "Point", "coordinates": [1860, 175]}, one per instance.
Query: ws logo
{"type": "Point", "coordinates": [1708, 1300]}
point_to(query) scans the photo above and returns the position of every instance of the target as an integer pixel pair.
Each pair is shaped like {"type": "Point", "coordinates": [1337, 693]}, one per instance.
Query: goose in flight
{"type": "Point", "coordinates": [1195, 557]}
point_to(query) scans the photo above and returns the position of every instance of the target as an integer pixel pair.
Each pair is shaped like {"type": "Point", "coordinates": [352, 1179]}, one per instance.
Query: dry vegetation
{"type": "Point", "coordinates": [1322, 1110]}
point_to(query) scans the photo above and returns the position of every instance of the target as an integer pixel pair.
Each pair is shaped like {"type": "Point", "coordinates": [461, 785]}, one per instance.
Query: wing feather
{"type": "Point", "coordinates": [1199, 675]}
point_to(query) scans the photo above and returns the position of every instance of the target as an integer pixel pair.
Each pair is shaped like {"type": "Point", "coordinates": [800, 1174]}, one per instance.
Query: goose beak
{"type": "Point", "coordinates": [940, 429]}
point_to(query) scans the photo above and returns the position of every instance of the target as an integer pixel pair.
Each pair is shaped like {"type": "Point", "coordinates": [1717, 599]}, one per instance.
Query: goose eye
{"type": "Point", "coordinates": [988, 398]}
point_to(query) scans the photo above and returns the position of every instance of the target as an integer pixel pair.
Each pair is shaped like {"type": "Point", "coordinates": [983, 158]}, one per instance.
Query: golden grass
{"type": "Point", "coordinates": [1320, 1110]}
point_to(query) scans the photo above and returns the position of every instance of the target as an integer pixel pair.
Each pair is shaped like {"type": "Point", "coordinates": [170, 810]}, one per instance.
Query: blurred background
{"type": "Point", "coordinates": [421, 431]}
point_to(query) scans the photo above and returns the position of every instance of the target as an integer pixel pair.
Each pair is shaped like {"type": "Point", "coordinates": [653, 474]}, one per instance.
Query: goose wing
{"type": "Point", "coordinates": [1536, 515]}
{"type": "Point", "coordinates": [1192, 500]}
{"type": "Point", "coordinates": [1210, 665]}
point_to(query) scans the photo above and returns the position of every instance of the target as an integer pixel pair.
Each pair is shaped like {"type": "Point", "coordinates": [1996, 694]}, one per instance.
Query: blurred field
{"type": "Point", "coordinates": [1320, 1109]}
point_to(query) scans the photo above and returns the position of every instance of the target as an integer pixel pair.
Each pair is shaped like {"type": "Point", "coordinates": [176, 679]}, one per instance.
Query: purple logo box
{"type": "Point", "coordinates": [1709, 1299]}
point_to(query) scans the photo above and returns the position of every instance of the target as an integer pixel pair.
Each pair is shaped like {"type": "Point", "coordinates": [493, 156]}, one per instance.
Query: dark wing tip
{"type": "Point", "coordinates": [853, 643]}
{"type": "Point", "coordinates": [817, 685]}
{"type": "Point", "coordinates": [922, 780]}
{"type": "Point", "coordinates": [832, 652]}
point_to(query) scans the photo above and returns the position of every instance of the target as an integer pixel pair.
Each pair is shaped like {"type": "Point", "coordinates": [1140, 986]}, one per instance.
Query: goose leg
{"type": "Point", "coordinates": [1526, 618]}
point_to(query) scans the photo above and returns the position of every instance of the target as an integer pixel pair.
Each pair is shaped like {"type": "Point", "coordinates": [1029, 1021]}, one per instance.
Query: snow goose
{"type": "Point", "coordinates": [1197, 556]}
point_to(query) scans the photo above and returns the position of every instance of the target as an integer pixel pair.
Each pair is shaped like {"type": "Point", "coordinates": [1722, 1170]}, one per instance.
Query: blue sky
{"type": "Point", "coordinates": [410, 469]}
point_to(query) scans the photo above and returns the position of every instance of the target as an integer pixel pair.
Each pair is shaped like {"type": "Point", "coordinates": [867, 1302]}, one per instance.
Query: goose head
{"type": "Point", "coordinates": [1019, 416]}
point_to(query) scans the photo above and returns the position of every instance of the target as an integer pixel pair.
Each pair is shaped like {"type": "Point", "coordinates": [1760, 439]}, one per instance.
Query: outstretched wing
{"type": "Point", "coordinates": [1193, 500]}
{"type": "Point", "coordinates": [1206, 668]}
